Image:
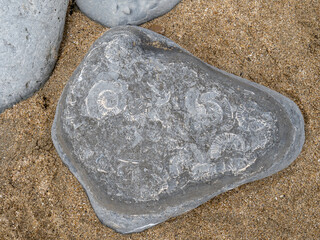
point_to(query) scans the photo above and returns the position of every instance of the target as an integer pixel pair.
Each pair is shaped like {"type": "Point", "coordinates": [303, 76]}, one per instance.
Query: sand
{"type": "Point", "coordinates": [274, 43]}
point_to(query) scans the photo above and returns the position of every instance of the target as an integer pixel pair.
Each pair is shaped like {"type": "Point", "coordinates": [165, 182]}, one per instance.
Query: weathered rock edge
{"type": "Point", "coordinates": [33, 61]}
{"type": "Point", "coordinates": [103, 13]}
{"type": "Point", "coordinates": [125, 223]}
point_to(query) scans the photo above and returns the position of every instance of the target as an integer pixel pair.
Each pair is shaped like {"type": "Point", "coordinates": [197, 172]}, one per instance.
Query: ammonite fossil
{"type": "Point", "coordinates": [151, 131]}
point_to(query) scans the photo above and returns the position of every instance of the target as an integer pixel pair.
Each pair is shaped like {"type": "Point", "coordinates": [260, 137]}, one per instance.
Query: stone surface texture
{"type": "Point", "coordinates": [113, 13]}
{"type": "Point", "coordinates": [31, 32]}
{"type": "Point", "coordinates": [151, 131]}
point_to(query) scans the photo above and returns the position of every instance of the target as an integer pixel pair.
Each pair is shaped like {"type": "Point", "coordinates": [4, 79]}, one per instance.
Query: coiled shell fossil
{"type": "Point", "coordinates": [151, 132]}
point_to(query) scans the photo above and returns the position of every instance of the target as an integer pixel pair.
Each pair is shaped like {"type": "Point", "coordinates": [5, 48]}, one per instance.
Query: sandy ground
{"type": "Point", "coordinates": [274, 43]}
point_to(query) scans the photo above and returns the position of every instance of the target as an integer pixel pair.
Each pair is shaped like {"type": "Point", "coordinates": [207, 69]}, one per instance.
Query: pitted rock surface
{"type": "Point", "coordinates": [113, 13]}
{"type": "Point", "coordinates": [151, 131]}
{"type": "Point", "coordinates": [31, 32]}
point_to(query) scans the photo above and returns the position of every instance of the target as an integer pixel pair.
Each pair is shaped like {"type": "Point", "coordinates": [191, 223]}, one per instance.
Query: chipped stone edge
{"type": "Point", "coordinates": [136, 223]}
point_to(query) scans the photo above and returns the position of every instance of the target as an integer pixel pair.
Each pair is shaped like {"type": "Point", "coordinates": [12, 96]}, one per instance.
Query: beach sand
{"type": "Point", "coordinates": [273, 43]}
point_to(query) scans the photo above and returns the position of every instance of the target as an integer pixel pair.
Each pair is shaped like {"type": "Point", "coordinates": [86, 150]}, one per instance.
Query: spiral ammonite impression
{"type": "Point", "coordinates": [104, 99]}
{"type": "Point", "coordinates": [151, 132]}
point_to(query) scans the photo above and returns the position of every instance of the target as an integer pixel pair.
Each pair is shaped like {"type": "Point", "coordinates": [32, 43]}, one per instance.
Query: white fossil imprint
{"type": "Point", "coordinates": [158, 120]}
{"type": "Point", "coordinates": [151, 132]}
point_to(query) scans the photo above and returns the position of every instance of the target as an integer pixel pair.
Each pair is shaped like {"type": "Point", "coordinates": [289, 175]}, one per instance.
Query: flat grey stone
{"type": "Point", "coordinates": [31, 32]}
{"type": "Point", "coordinates": [151, 131]}
{"type": "Point", "coordinates": [111, 13]}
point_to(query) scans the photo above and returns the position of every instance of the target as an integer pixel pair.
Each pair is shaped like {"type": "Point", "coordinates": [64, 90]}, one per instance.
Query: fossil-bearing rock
{"type": "Point", "coordinates": [31, 32]}
{"type": "Point", "coordinates": [113, 13]}
{"type": "Point", "coordinates": [151, 131]}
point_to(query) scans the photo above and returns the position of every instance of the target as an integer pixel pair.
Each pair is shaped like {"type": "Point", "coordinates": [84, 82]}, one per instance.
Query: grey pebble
{"type": "Point", "coordinates": [111, 13]}
{"type": "Point", "coordinates": [31, 32]}
{"type": "Point", "coordinates": [151, 131]}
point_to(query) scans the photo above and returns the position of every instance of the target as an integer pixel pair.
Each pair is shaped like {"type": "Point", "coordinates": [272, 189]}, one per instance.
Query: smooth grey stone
{"type": "Point", "coordinates": [151, 131]}
{"type": "Point", "coordinates": [31, 32]}
{"type": "Point", "coordinates": [111, 13]}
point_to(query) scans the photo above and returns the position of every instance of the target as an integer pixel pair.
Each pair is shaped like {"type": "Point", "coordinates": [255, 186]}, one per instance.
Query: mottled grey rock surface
{"type": "Point", "coordinates": [113, 13]}
{"type": "Point", "coordinates": [151, 131]}
{"type": "Point", "coordinates": [31, 32]}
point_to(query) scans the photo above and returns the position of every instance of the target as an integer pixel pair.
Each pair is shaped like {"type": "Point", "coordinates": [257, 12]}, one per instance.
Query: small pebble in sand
{"type": "Point", "coordinates": [157, 28]}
